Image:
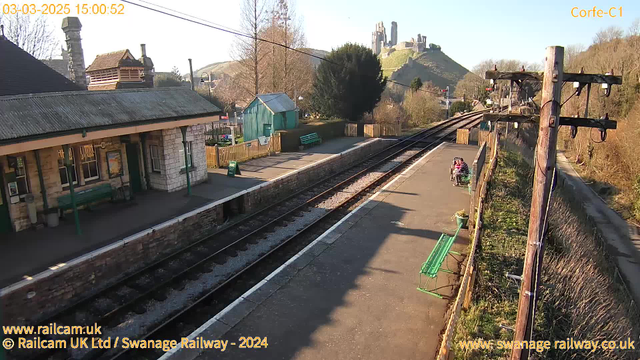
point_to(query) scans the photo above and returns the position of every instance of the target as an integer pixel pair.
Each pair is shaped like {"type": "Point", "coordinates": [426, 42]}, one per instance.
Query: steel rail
{"type": "Point", "coordinates": [304, 229]}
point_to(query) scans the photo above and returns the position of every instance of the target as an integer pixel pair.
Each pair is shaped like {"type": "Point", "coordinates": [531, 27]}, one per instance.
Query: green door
{"type": "Point", "coordinates": [5, 219]}
{"type": "Point", "coordinates": [134, 168]}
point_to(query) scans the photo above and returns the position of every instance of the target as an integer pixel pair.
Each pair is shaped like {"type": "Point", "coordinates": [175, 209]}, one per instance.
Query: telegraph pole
{"type": "Point", "coordinates": [544, 167]}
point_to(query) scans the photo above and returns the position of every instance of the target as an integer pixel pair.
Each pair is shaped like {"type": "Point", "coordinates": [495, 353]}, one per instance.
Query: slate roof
{"type": "Point", "coordinates": [25, 117]}
{"type": "Point", "coordinates": [276, 102]}
{"type": "Point", "coordinates": [113, 60]}
{"type": "Point", "coordinates": [21, 73]}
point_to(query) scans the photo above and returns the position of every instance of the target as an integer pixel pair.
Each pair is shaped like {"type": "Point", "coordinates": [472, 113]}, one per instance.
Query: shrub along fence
{"type": "Point", "coordinates": [221, 156]}
{"type": "Point", "coordinates": [466, 285]}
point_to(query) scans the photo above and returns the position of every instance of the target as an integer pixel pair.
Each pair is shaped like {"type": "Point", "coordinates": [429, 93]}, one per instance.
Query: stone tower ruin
{"type": "Point", "coordinates": [394, 34]}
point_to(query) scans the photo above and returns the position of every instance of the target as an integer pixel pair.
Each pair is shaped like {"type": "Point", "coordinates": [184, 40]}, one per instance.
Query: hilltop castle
{"type": "Point", "coordinates": [379, 41]}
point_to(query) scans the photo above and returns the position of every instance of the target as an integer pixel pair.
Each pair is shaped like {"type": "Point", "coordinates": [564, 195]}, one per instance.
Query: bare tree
{"type": "Point", "coordinates": [634, 29]}
{"type": "Point", "coordinates": [571, 53]}
{"type": "Point", "coordinates": [249, 51]}
{"type": "Point", "coordinates": [608, 34]}
{"type": "Point", "coordinates": [290, 71]}
{"type": "Point", "coordinates": [32, 34]}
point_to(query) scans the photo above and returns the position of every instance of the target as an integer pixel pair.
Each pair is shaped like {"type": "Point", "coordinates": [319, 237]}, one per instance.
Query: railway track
{"type": "Point", "coordinates": [173, 296]}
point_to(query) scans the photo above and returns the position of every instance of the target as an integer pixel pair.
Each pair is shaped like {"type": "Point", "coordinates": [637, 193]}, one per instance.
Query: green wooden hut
{"type": "Point", "coordinates": [268, 113]}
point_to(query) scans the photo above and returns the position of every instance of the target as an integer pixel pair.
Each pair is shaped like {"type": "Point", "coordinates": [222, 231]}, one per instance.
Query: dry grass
{"type": "Point", "coordinates": [587, 299]}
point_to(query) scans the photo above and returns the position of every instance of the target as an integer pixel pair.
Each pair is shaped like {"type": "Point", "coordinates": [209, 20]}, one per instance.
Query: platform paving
{"type": "Point", "coordinates": [352, 293]}
{"type": "Point", "coordinates": [32, 251]}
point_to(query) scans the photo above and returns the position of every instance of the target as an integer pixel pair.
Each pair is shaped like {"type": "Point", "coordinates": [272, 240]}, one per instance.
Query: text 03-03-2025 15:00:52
{"type": "Point", "coordinates": [61, 9]}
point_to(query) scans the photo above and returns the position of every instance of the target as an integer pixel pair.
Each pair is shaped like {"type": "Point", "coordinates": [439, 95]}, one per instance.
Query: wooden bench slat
{"type": "Point", "coordinates": [431, 267]}
{"type": "Point", "coordinates": [86, 196]}
{"type": "Point", "coordinates": [310, 139]}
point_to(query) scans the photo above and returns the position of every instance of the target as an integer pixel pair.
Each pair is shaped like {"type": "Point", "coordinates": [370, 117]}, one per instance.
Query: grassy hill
{"type": "Point", "coordinates": [430, 65]}
{"type": "Point", "coordinates": [231, 67]}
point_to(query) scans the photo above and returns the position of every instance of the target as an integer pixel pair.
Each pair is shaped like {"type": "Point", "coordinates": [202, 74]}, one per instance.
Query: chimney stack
{"type": "Point", "coordinates": [149, 71]}
{"type": "Point", "coordinates": [71, 27]}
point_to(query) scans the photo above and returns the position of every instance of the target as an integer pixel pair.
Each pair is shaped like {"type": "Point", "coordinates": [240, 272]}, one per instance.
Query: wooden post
{"type": "Point", "coordinates": [217, 154]}
{"type": "Point", "coordinates": [544, 166]}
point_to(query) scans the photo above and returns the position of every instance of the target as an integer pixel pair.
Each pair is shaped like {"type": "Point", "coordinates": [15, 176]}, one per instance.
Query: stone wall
{"type": "Point", "coordinates": [53, 289]}
{"type": "Point", "coordinates": [174, 157]}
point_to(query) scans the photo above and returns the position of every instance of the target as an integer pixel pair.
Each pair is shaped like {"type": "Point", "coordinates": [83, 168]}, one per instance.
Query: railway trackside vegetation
{"type": "Point", "coordinates": [581, 297]}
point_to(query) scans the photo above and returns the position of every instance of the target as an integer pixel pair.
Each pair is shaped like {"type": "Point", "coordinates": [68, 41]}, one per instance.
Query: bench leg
{"type": "Point", "coordinates": [427, 291]}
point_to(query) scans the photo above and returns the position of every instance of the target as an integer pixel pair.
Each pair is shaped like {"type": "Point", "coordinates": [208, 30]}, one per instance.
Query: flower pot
{"type": "Point", "coordinates": [462, 220]}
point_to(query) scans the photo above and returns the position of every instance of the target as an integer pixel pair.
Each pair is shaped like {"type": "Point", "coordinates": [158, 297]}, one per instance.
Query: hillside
{"type": "Point", "coordinates": [611, 168]}
{"type": "Point", "coordinates": [231, 67]}
{"type": "Point", "coordinates": [430, 65]}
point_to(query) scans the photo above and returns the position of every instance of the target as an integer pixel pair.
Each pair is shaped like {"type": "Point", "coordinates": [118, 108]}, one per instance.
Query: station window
{"type": "Point", "coordinates": [155, 157]}
{"type": "Point", "coordinates": [189, 156]}
{"type": "Point", "coordinates": [64, 179]}
{"type": "Point", "coordinates": [89, 162]}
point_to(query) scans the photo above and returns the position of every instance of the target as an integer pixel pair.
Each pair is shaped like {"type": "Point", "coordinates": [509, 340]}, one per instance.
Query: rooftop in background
{"type": "Point", "coordinates": [276, 102]}
{"type": "Point", "coordinates": [25, 117]}
{"type": "Point", "coordinates": [112, 60]}
{"type": "Point", "coordinates": [22, 73]}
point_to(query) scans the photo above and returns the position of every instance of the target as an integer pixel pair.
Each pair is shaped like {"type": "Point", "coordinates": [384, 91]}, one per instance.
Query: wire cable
{"type": "Point", "coordinates": [229, 30]}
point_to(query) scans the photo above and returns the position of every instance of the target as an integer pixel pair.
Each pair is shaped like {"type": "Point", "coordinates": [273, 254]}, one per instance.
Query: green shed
{"type": "Point", "coordinates": [268, 113]}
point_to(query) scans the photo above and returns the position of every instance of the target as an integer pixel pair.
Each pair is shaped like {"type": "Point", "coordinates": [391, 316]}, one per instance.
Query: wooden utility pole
{"type": "Point", "coordinates": [544, 166]}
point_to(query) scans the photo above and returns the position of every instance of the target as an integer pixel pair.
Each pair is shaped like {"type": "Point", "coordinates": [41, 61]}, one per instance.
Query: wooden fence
{"type": "Point", "coordinates": [221, 156]}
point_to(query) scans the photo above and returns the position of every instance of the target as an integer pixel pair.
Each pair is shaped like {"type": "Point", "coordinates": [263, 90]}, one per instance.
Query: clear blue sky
{"type": "Point", "coordinates": [469, 31]}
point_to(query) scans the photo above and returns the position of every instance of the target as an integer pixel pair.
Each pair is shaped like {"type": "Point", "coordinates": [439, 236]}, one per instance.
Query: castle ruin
{"type": "Point", "coordinates": [379, 41]}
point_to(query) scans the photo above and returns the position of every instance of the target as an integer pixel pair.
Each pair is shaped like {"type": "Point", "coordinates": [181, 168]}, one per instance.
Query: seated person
{"type": "Point", "coordinates": [452, 169]}
{"type": "Point", "coordinates": [461, 169]}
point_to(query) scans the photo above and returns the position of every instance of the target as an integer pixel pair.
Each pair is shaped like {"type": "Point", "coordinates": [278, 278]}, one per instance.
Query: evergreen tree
{"type": "Point", "coordinates": [416, 84]}
{"type": "Point", "coordinates": [349, 83]}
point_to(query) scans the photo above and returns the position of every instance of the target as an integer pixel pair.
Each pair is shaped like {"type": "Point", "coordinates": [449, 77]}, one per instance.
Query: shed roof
{"type": "Point", "coordinates": [21, 73]}
{"type": "Point", "coordinates": [276, 102]}
{"type": "Point", "coordinates": [113, 60]}
{"type": "Point", "coordinates": [51, 114]}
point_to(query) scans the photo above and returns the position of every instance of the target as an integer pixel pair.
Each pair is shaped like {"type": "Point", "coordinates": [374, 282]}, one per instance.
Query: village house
{"type": "Point", "coordinates": [57, 139]}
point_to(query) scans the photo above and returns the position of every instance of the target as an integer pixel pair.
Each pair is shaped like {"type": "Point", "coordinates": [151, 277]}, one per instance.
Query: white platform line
{"type": "Point", "coordinates": [256, 287]}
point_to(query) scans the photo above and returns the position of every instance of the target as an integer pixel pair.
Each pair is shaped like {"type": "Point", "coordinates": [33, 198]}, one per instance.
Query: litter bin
{"type": "Point", "coordinates": [31, 208]}
{"type": "Point", "coordinates": [52, 217]}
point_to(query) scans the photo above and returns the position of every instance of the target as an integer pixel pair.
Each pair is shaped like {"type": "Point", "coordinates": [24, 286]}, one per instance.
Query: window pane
{"type": "Point", "coordinates": [85, 171]}
{"type": "Point", "coordinates": [22, 185]}
{"type": "Point", "coordinates": [93, 169]}
{"type": "Point", "coordinates": [63, 176]}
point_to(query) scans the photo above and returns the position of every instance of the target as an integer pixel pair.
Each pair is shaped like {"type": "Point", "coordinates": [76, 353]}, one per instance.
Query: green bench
{"type": "Point", "coordinates": [310, 139]}
{"type": "Point", "coordinates": [86, 197]}
{"type": "Point", "coordinates": [433, 265]}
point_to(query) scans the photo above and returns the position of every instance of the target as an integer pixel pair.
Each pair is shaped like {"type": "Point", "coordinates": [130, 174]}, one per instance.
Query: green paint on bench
{"type": "Point", "coordinates": [86, 196]}
{"type": "Point", "coordinates": [433, 265]}
{"type": "Point", "coordinates": [310, 139]}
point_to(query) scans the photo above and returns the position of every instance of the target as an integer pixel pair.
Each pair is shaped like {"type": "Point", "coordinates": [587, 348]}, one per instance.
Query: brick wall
{"type": "Point", "coordinates": [54, 289]}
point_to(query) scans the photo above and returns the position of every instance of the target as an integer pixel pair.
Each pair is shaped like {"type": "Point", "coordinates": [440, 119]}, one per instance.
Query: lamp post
{"type": "Point", "coordinates": [202, 76]}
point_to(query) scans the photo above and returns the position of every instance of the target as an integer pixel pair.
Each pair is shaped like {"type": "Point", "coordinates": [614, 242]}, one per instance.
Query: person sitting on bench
{"type": "Point", "coordinates": [461, 170]}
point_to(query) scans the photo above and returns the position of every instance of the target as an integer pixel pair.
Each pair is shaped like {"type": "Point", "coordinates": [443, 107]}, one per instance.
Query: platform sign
{"type": "Point", "coordinates": [233, 169]}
